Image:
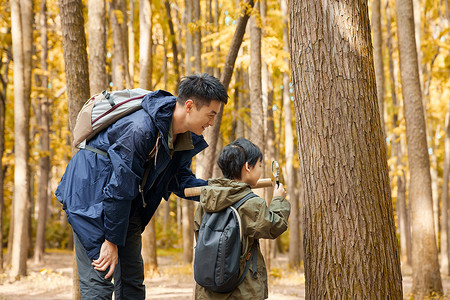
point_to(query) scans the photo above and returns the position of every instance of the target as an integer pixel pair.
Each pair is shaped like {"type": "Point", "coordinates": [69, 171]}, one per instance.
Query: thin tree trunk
{"type": "Point", "coordinates": [97, 46]}
{"type": "Point", "coordinates": [188, 206]}
{"type": "Point", "coordinates": [189, 54]}
{"type": "Point", "coordinates": [188, 230]}
{"type": "Point", "coordinates": [348, 213]}
{"type": "Point", "coordinates": [4, 85]}
{"type": "Point", "coordinates": [426, 276]}
{"type": "Point", "coordinates": [131, 44]}
{"type": "Point", "coordinates": [294, 224]}
{"type": "Point", "coordinates": [21, 22]}
{"type": "Point", "coordinates": [149, 247]}
{"type": "Point", "coordinates": [77, 74]}
{"type": "Point", "coordinates": [445, 245]}
{"type": "Point", "coordinates": [197, 37]}
{"type": "Point", "coordinates": [403, 216]}
{"type": "Point", "coordinates": [145, 44]}
{"type": "Point", "coordinates": [212, 134]}
{"type": "Point", "coordinates": [172, 38]}
{"type": "Point", "coordinates": [118, 17]}
{"type": "Point", "coordinates": [378, 57]}
{"type": "Point", "coordinates": [44, 163]}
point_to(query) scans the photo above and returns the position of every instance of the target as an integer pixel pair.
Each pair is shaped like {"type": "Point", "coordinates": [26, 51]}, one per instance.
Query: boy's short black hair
{"type": "Point", "coordinates": [202, 89]}
{"type": "Point", "coordinates": [234, 156]}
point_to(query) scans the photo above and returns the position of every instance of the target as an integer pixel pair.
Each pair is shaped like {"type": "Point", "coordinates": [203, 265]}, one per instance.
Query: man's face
{"type": "Point", "coordinates": [200, 119]}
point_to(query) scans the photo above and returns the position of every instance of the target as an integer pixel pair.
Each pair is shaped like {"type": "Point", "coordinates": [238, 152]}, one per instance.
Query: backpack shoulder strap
{"type": "Point", "coordinates": [246, 197]}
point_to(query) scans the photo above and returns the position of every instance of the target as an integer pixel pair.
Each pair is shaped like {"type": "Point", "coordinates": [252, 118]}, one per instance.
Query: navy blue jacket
{"type": "Point", "coordinates": [99, 193]}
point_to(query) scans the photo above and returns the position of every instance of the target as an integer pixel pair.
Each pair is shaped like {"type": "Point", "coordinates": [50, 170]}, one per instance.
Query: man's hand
{"type": "Point", "coordinates": [108, 258]}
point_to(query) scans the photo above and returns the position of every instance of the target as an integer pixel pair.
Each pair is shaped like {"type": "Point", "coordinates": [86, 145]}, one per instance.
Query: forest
{"type": "Point", "coordinates": [352, 98]}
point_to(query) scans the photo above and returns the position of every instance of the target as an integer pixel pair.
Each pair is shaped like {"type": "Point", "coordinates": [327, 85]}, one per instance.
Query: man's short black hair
{"type": "Point", "coordinates": [202, 89]}
{"type": "Point", "coordinates": [234, 156]}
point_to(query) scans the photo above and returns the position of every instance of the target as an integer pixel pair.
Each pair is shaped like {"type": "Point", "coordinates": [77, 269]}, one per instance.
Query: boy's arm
{"type": "Point", "coordinates": [262, 222]}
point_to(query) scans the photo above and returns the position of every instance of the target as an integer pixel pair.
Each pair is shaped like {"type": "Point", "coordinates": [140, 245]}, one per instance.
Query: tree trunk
{"type": "Point", "coordinates": [188, 230]}
{"type": "Point", "coordinates": [189, 54]}
{"type": "Point", "coordinates": [118, 17]}
{"type": "Point", "coordinates": [403, 216]}
{"type": "Point", "coordinates": [426, 276]}
{"type": "Point", "coordinates": [44, 161]}
{"type": "Point", "coordinates": [149, 247]}
{"type": "Point", "coordinates": [3, 91]}
{"type": "Point", "coordinates": [131, 44]}
{"type": "Point", "coordinates": [97, 46]}
{"type": "Point", "coordinates": [378, 57]}
{"type": "Point", "coordinates": [294, 225]}
{"type": "Point", "coordinates": [21, 23]}
{"type": "Point", "coordinates": [174, 43]}
{"type": "Point", "coordinates": [445, 245]}
{"type": "Point", "coordinates": [188, 206]}
{"type": "Point", "coordinates": [256, 105]}
{"type": "Point", "coordinates": [197, 37]}
{"type": "Point", "coordinates": [77, 74]}
{"type": "Point", "coordinates": [212, 134]}
{"type": "Point", "coordinates": [348, 213]}
{"type": "Point", "coordinates": [145, 44]}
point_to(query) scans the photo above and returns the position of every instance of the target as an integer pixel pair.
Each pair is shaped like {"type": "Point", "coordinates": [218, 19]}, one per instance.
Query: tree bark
{"type": "Point", "coordinates": [21, 23]}
{"type": "Point", "coordinates": [77, 74]}
{"type": "Point", "coordinates": [426, 276]}
{"type": "Point", "coordinates": [348, 213]}
{"type": "Point", "coordinates": [378, 57]}
{"type": "Point", "coordinates": [44, 161]}
{"type": "Point", "coordinates": [97, 46]}
{"type": "Point", "coordinates": [145, 44]}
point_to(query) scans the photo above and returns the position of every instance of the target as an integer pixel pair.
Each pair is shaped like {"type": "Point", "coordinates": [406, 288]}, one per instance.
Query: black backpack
{"type": "Point", "coordinates": [218, 250]}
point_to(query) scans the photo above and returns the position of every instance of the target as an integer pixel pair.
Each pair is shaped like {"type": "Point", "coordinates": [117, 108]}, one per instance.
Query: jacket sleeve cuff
{"type": "Point", "coordinates": [116, 219]}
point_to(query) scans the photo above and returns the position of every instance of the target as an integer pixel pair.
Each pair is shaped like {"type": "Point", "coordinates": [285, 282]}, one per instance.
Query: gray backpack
{"type": "Point", "coordinates": [218, 250]}
{"type": "Point", "coordinates": [102, 110]}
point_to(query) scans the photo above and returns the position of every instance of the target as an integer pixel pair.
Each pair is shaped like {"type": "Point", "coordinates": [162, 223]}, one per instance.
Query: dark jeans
{"type": "Point", "coordinates": [128, 274]}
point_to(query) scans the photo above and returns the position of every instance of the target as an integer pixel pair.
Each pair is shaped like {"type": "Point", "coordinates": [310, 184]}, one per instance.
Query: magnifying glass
{"type": "Point", "coordinates": [276, 171]}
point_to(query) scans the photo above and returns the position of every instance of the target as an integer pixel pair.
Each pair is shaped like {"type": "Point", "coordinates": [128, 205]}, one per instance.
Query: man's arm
{"type": "Point", "coordinates": [185, 179]}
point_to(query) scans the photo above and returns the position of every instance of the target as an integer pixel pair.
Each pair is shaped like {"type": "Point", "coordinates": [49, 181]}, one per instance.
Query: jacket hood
{"type": "Point", "coordinates": [221, 193]}
{"type": "Point", "coordinates": [160, 105]}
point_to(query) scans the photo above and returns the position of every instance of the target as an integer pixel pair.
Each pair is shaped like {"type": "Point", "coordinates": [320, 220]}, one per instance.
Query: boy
{"type": "Point", "coordinates": [241, 165]}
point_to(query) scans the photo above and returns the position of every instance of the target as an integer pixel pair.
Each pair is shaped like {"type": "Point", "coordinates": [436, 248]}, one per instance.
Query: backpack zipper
{"type": "Point", "coordinates": [222, 258]}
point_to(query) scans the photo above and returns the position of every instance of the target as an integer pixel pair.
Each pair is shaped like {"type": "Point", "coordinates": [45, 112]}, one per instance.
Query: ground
{"type": "Point", "coordinates": [53, 281]}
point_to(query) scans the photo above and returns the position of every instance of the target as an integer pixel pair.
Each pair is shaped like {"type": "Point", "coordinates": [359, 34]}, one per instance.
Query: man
{"type": "Point", "coordinates": [102, 196]}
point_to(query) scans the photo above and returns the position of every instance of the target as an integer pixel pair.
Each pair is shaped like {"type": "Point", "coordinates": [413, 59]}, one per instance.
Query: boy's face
{"type": "Point", "coordinates": [200, 119]}
{"type": "Point", "coordinates": [255, 173]}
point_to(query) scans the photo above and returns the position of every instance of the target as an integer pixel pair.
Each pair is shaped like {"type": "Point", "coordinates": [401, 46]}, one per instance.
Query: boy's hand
{"type": "Point", "coordinates": [279, 190]}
